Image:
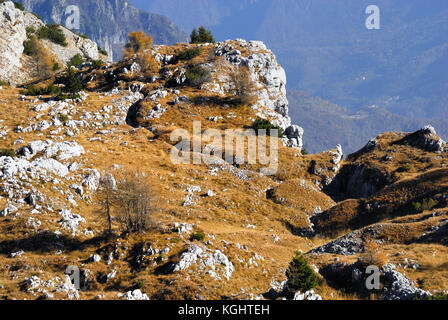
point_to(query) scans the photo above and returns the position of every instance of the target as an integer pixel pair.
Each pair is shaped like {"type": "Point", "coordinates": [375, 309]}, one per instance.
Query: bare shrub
{"type": "Point", "coordinates": [107, 197]}
{"type": "Point", "coordinates": [244, 88]}
{"type": "Point", "coordinates": [131, 198]}
{"type": "Point", "coordinates": [42, 59]}
{"type": "Point", "coordinates": [136, 202]}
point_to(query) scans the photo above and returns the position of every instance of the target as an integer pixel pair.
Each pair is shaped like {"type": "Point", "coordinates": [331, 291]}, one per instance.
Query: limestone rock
{"type": "Point", "coordinates": [92, 180]}
{"type": "Point", "coordinates": [13, 25]}
{"type": "Point", "coordinates": [135, 295]}
{"type": "Point", "coordinates": [401, 288]}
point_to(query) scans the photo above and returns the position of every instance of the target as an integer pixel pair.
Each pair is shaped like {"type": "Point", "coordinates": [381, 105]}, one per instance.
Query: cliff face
{"type": "Point", "coordinates": [108, 22]}
{"type": "Point", "coordinates": [14, 65]}
{"type": "Point", "coordinates": [13, 25]}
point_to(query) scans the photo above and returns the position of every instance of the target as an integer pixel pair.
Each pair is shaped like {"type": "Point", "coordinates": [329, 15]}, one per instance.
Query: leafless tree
{"type": "Point", "coordinates": [136, 202]}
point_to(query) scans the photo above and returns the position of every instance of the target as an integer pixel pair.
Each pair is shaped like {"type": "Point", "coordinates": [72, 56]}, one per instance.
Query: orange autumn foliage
{"type": "Point", "coordinates": [139, 48]}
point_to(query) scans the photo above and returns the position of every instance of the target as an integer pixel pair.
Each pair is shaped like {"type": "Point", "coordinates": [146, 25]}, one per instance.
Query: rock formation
{"type": "Point", "coordinates": [14, 24]}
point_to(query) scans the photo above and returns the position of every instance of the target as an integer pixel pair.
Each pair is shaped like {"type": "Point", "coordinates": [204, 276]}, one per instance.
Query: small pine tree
{"type": "Point", "coordinates": [194, 37]}
{"type": "Point", "coordinates": [72, 84]}
{"type": "Point", "coordinates": [266, 125]}
{"type": "Point", "coordinates": [202, 36]}
{"type": "Point", "coordinates": [300, 275]}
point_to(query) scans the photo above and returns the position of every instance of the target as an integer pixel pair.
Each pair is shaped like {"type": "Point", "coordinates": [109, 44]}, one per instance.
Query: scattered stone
{"type": "Point", "coordinates": [135, 295]}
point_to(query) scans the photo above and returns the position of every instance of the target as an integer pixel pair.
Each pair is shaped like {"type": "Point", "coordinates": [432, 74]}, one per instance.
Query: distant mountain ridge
{"type": "Point", "coordinates": [108, 22]}
{"type": "Point", "coordinates": [326, 124]}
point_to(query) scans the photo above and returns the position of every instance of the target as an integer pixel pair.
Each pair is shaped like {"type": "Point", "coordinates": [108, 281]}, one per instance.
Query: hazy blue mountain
{"type": "Point", "coordinates": [328, 52]}
{"type": "Point", "coordinates": [327, 124]}
{"type": "Point", "coordinates": [108, 22]}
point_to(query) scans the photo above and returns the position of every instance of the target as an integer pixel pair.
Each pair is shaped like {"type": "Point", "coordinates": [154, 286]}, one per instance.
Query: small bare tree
{"type": "Point", "coordinates": [108, 193]}
{"type": "Point", "coordinates": [136, 202]}
{"type": "Point", "coordinates": [42, 59]}
{"type": "Point", "coordinates": [243, 85]}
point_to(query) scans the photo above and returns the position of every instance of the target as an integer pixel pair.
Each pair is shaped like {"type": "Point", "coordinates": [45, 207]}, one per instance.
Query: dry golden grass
{"type": "Point", "coordinates": [372, 254]}
{"type": "Point", "coordinates": [237, 204]}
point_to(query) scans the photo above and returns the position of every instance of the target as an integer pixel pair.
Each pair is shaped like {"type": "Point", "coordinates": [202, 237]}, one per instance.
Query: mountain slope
{"type": "Point", "coordinates": [221, 228]}
{"type": "Point", "coordinates": [108, 22]}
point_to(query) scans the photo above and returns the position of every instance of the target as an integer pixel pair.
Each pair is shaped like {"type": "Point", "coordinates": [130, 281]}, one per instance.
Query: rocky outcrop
{"type": "Point", "coordinates": [400, 288]}
{"type": "Point", "coordinates": [348, 244]}
{"type": "Point", "coordinates": [393, 284]}
{"type": "Point", "coordinates": [356, 181]}
{"type": "Point", "coordinates": [425, 139]}
{"type": "Point", "coordinates": [359, 178]}
{"type": "Point", "coordinates": [212, 263]}
{"type": "Point", "coordinates": [13, 32]}
{"type": "Point", "coordinates": [269, 79]}
{"type": "Point", "coordinates": [13, 24]}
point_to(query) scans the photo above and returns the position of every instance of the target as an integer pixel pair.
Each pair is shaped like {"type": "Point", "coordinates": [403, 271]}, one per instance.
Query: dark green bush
{"type": "Point", "coordinates": [29, 46]}
{"type": "Point", "coordinates": [405, 168]}
{"type": "Point", "coordinates": [197, 75]}
{"type": "Point", "coordinates": [84, 36]}
{"type": "Point", "coordinates": [56, 67]}
{"type": "Point", "coordinates": [53, 33]}
{"type": "Point", "coordinates": [304, 151]}
{"type": "Point", "coordinates": [102, 51]}
{"type": "Point", "coordinates": [438, 296]}
{"type": "Point", "coordinates": [76, 61]}
{"type": "Point", "coordinates": [51, 89]}
{"type": "Point", "coordinates": [97, 64]}
{"type": "Point", "coordinates": [197, 236]}
{"type": "Point", "coordinates": [62, 97]}
{"type": "Point", "coordinates": [140, 285]}
{"type": "Point", "coordinates": [188, 54]}
{"type": "Point", "coordinates": [7, 153]}
{"type": "Point", "coordinates": [19, 6]}
{"type": "Point", "coordinates": [201, 36]}
{"type": "Point", "coordinates": [30, 31]}
{"type": "Point", "coordinates": [71, 81]}
{"type": "Point", "coordinates": [63, 117]}
{"type": "Point", "coordinates": [300, 275]}
{"type": "Point", "coordinates": [267, 125]}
